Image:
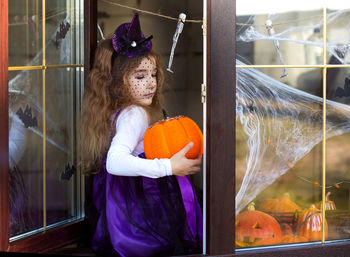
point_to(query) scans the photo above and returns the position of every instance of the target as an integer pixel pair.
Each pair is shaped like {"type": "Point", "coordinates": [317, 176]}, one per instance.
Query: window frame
{"type": "Point", "coordinates": [220, 161]}
{"type": "Point", "coordinates": [4, 158]}
{"type": "Point", "coordinates": [335, 248]}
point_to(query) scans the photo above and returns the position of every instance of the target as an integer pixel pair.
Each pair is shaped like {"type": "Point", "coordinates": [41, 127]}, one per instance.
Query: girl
{"type": "Point", "coordinates": [144, 207]}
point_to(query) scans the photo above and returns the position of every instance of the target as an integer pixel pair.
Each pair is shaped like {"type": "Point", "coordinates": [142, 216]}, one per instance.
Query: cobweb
{"type": "Point", "coordinates": [281, 122]}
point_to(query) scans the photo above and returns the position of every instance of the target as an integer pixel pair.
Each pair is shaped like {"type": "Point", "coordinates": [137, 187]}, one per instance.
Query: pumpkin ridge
{"type": "Point", "coordinates": [166, 143]}
{"type": "Point", "coordinates": [187, 135]}
{"type": "Point", "coordinates": [189, 127]}
{"type": "Point", "coordinates": [184, 128]}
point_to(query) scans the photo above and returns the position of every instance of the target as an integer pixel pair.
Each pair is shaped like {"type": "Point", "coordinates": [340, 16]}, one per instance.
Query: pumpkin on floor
{"type": "Point", "coordinates": [283, 204]}
{"type": "Point", "coordinates": [167, 137]}
{"type": "Point", "coordinates": [329, 205]}
{"type": "Point", "coordinates": [310, 224]}
{"type": "Point", "coordinates": [255, 228]}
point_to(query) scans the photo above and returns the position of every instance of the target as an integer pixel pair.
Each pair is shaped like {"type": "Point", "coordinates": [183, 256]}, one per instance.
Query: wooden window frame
{"type": "Point", "coordinates": [220, 166]}
{"type": "Point", "coordinates": [221, 73]}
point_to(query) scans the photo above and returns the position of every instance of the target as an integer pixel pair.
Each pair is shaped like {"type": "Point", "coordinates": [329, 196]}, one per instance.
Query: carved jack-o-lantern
{"type": "Point", "coordinates": [255, 228]}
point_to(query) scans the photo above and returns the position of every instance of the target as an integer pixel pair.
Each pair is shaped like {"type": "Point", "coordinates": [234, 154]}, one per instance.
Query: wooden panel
{"type": "Point", "coordinates": [4, 158]}
{"type": "Point", "coordinates": [51, 239]}
{"type": "Point", "coordinates": [90, 33]}
{"type": "Point", "coordinates": [221, 127]}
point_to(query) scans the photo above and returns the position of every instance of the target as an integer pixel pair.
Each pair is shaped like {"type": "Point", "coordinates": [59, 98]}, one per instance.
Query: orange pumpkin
{"type": "Point", "coordinates": [167, 137]}
{"type": "Point", "coordinates": [310, 224]}
{"type": "Point", "coordinates": [284, 204]}
{"type": "Point", "coordinates": [329, 205]}
{"type": "Point", "coordinates": [255, 228]}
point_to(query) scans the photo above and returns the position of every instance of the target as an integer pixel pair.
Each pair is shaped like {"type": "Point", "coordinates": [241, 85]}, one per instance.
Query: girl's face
{"type": "Point", "coordinates": [143, 81]}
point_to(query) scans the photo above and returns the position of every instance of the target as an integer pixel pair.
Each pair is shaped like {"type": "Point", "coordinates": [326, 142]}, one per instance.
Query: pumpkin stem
{"type": "Point", "coordinates": [327, 196]}
{"type": "Point", "coordinates": [251, 206]}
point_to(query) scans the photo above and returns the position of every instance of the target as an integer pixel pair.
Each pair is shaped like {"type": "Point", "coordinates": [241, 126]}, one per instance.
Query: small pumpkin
{"type": "Point", "coordinates": [284, 204]}
{"type": "Point", "coordinates": [255, 228]}
{"type": "Point", "coordinates": [310, 224]}
{"type": "Point", "coordinates": [167, 137]}
{"type": "Point", "coordinates": [329, 205]}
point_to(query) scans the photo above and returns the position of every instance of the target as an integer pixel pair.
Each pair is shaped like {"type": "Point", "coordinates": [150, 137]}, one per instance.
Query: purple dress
{"type": "Point", "coordinates": [140, 216]}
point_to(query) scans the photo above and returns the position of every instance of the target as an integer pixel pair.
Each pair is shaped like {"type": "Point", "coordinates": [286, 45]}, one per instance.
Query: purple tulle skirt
{"type": "Point", "coordinates": [140, 216]}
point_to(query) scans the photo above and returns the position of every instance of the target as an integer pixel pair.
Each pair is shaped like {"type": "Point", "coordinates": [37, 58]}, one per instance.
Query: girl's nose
{"type": "Point", "coordinates": [152, 83]}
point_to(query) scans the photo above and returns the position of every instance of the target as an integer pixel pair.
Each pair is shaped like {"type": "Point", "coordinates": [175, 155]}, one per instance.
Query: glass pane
{"type": "Point", "coordinates": [338, 156]}
{"type": "Point", "coordinates": [60, 153]}
{"type": "Point", "coordinates": [26, 109]}
{"type": "Point", "coordinates": [279, 155]}
{"type": "Point", "coordinates": [272, 32]}
{"type": "Point", "coordinates": [279, 119]}
{"type": "Point", "coordinates": [63, 32]}
{"type": "Point", "coordinates": [25, 150]}
{"type": "Point", "coordinates": [25, 32]}
{"type": "Point", "coordinates": [338, 40]}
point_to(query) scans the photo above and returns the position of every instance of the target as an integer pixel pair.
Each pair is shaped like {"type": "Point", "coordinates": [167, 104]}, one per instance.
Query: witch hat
{"type": "Point", "coordinates": [128, 39]}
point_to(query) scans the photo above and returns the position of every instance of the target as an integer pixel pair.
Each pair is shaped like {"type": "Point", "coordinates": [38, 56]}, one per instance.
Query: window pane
{"type": "Point", "coordinates": [25, 150]}
{"type": "Point", "coordinates": [338, 41]}
{"type": "Point", "coordinates": [338, 156]}
{"type": "Point", "coordinates": [280, 116]}
{"type": "Point", "coordinates": [294, 28]}
{"type": "Point", "coordinates": [25, 32]}
{"type": "Point", "coordinates": [63, 31]}
{"type": "Point", "coordinates": [279, 154]}
{"type": "Point", "coordinates": [61, 151]}
{"type": "Point", "coordinates": [27, 108]}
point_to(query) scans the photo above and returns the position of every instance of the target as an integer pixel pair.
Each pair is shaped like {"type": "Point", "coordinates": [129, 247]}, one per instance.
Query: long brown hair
{"type": "Point", "coordinates": [106, 91]}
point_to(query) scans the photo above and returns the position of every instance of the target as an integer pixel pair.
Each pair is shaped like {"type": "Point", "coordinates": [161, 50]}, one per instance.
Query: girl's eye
{"type": "Point", "coordinates": [140, 77]}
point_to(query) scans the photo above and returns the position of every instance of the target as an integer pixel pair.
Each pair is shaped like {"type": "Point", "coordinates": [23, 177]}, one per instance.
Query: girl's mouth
{"type": "Point", "coordinates": [149, 95]}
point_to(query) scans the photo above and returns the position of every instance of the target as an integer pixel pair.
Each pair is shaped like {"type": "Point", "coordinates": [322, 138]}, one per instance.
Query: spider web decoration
{"type": "Point", "coordinates": [282, 124]}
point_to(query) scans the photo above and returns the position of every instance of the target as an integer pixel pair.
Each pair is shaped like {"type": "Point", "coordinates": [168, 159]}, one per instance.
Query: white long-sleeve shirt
{"type": "Point", "coordinates": [127, 144]}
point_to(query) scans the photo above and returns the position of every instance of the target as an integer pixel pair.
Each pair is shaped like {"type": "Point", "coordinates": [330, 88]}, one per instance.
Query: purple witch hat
{"type": "Point", "coordinates": [128, 39]}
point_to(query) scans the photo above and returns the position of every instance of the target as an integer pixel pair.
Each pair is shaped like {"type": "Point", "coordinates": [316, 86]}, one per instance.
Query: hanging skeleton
{"type": "Point", "coordinates": [180, 25]}
{"type": "Point", "coordinates": [271, 31]}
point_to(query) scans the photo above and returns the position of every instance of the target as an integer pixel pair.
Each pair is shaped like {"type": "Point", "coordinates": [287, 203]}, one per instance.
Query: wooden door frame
{"type": "Point", "coordinates": [221, 78]}
{"type": "Point", "coordinates": [4, 154]}
{"type": "Point", "coordinates": [220, 126]}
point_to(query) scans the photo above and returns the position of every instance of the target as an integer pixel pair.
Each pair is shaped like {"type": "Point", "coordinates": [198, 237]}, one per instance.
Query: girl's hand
{"type": "Point", "coordinates": [181, 166]}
